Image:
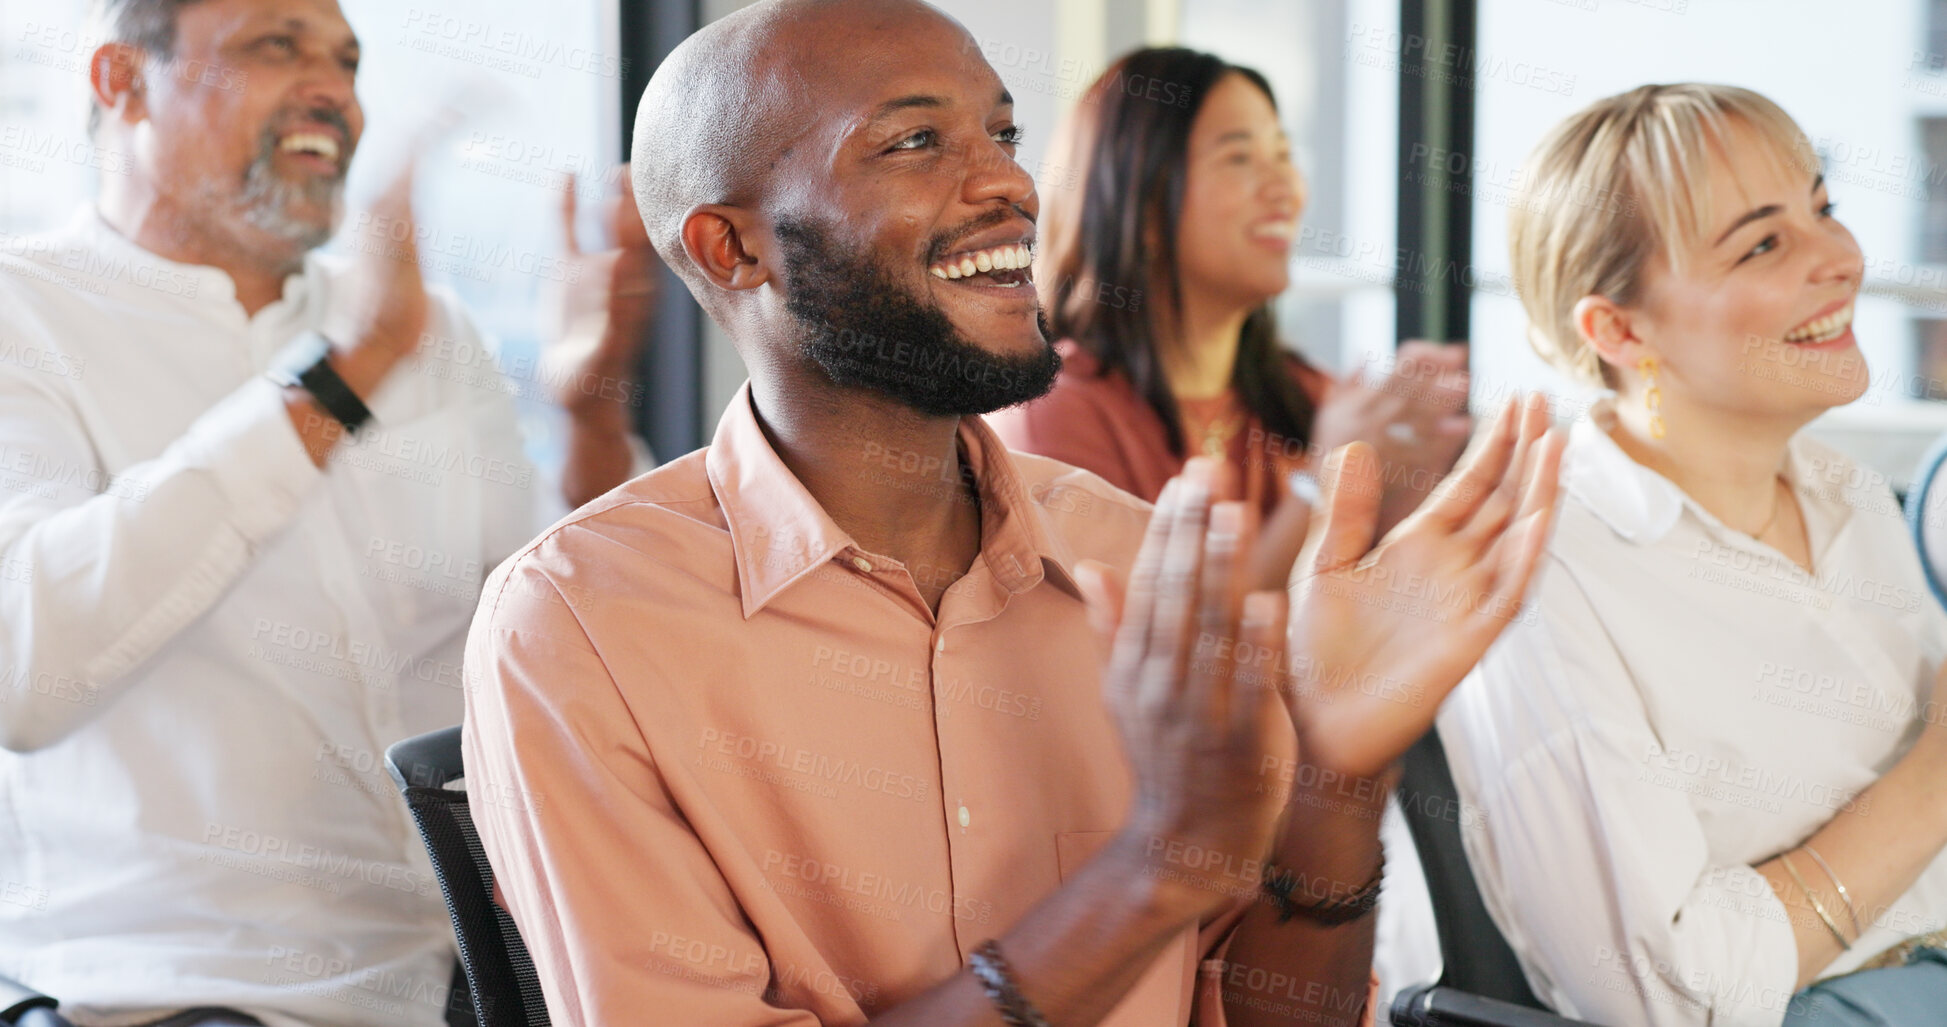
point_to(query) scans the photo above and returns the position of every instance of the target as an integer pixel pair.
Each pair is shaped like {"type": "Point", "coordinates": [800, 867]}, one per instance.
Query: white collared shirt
{"type": "Point", "coordinates": [1680, 703]}
{"type": "Point", "coordinates": [206, 643]}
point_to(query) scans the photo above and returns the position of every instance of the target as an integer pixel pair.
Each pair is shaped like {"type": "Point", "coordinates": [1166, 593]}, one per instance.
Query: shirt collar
{"type": "Point", "coordinates": [213, 285]}
{"type": "Point", "coordinates": [1015, 539]}
{"type": "Point", "coordinates": [1643, 506]}
{"type": "Point", "coordinates": [779, 533]}
{"type": "Point", "coordinates": [1638, 503]}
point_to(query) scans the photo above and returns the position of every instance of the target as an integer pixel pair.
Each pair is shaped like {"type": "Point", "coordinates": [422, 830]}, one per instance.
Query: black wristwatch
{"type": "Point", "coordinates": [305, 364]}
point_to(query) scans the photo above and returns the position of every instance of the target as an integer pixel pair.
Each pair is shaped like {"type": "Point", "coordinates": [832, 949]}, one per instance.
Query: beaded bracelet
{"type": "Point", "coordinates": [991, 970]}
{"type": "Point", "coordinates": [1279, 884]}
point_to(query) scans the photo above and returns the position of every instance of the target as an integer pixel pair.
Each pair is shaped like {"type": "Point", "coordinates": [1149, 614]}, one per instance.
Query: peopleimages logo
{"type": "Point", "coordinates": [63, 48]}
{"type": "Point", "coordinates": [432, 27]}
{"type": "Point", "coordinates": [31, 150]}
{"type": "Point", "coordinates": [1421, 56]}
{"type": "Point", "coordinates": [99, 267]}
{"type": "Point", "coordinates": [812, 765]}
{"type": "Point", "coordinates": [877, 886]}
{"type": "Point", "coordinates": [267, 849]}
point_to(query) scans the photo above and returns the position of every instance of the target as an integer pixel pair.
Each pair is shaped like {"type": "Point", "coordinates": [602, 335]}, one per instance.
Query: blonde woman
{"type": "Point", "coordinates": [1708, 768]}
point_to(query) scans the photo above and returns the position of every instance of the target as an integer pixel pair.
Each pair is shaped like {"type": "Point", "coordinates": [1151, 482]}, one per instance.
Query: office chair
{"type": "Point", "coordinates": [1926, 516]}
{"type": "Point", "coordinates": [20, 1004]}
{"type": "Point", "coordinates": [1481, 983]}
{"type": "Point", "coordinates": [500, 978]}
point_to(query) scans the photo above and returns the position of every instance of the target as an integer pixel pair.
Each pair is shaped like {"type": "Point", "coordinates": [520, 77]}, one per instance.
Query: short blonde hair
{"type": "Point", "coordinates": [1609, 186]}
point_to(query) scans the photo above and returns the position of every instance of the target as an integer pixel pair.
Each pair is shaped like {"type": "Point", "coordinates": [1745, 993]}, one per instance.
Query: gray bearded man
{"type": "Point", "coordinates": [243, 540]}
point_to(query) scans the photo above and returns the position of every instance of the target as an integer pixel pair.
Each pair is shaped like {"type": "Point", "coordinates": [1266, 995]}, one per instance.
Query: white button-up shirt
{"type": "Point", "coordinates": [206, 643]}
{"type": "Point", "coordinates": [1679, 704]}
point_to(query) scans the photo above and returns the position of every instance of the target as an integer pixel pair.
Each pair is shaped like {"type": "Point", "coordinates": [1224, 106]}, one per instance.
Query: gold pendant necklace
{"type": "Point", "coordinates": [1217, 436]}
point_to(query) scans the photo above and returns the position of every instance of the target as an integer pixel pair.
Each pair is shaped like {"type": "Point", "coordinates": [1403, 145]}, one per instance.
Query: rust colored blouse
{"type": "Point", "coordinates": [1098, 422]}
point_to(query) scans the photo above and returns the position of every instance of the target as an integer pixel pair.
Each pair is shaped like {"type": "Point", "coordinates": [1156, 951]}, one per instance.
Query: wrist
{"type": "Point", "coordinates": [310, 367]}
{"type": "Point", "coordinates": [600, 387]}
{"type": "Point", "coordinates": [1330, 845]}
{"type": "Point", "coordinates": [607, 413]}
{"type": "Point", "coordinates": [1319, 796]}
{"type": "Point", "coordinates": [1176, 880]}
{"type": "Point", "coordinates": [619, 350]}
{"type": "Point", "coordinates": [365, 364]}
{"type": "Point", "coordinates": [1929, 751]}
{"type": "Point", "coordinates": [1323, 902]}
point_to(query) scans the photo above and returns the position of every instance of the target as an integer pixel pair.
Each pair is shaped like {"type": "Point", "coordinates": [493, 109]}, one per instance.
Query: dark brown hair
{"type": "Point", "coordinates": [1128, 144]}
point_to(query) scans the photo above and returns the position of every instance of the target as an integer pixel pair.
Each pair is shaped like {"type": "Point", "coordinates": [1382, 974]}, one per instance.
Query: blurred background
{"type": "Point", "coordinates": [1412, 119]}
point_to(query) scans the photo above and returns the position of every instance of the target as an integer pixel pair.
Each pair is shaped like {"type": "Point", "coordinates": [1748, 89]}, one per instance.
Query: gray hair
{"type": "Point", "coordinates": [149, 25]}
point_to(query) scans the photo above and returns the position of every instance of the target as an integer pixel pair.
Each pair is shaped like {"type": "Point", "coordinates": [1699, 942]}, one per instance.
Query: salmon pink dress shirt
{"type": "Point", "coordinates": [731, 769]}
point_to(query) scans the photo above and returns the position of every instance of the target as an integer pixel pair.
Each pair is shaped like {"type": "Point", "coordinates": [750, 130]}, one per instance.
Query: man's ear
{"type": "Point", "coordinates": [115, 75]}
{"type": "Point", "coordinates": [717, 237]}
{"type": "Point", "coordinates": [1609, 329]}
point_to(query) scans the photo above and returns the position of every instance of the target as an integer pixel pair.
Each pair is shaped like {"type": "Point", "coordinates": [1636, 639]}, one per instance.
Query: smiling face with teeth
{"type": "Point", "coordinates": [1242, 198]}
{"type": "Point", "coordinates": [917, 158]}
{"type": "Point", "coordinates": [867, 220]}
{"type": "Point", "coordinates": [1753, 318]}
{"type": "Point", "coordinates": [250, 162]}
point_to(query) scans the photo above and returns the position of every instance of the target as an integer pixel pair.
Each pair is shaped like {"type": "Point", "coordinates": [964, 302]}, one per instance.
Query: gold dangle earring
{"type": "Point", "coordinates": [1652, 396]}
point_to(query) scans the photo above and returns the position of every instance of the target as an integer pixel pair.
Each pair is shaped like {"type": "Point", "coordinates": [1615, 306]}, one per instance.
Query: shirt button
{"type": "Point", "coordinates": [940, 646]}
{"type": "Point", "coordinates": [862, 564]}
{"type": "Point", "coordinates": [966, 818]}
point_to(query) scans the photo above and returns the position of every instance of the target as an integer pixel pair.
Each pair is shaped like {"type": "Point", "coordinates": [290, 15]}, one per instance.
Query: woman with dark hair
{"type": "Point", "coordinates": [1157, 274]}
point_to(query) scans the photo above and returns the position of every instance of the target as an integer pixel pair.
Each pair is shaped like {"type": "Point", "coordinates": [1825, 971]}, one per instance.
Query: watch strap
{"type": "Point", "coordinates": [306, 364]}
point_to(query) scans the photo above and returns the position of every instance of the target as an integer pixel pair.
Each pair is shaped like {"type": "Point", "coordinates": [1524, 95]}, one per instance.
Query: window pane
{"type": "Point", "coordinates": [1933, 223]}
{"type": "Point", "coordinates": [48, 167]}
{"type": "Point", "coordinates": [1935, 59]}
{"type": "Point", "coordinates": [1334, 67]}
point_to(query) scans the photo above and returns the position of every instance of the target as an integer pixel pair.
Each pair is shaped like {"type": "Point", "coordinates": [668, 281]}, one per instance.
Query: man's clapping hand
{"type": "Point", "coordinates": [1198, 715]}
{"type": "Point", "coordinates": [1200, 712]}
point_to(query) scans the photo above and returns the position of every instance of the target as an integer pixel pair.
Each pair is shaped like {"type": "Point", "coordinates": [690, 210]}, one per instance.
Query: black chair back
{"type": "Point", "coordinates": [1480, 979]}
{"type": "Point", "coordinates": [500, 977]}
{"type": "Point", "coordinates": [1475, 957]}
{"type": "Point", "coordinates": [1926, 517]}
{"type": "Point", "coordinates": [20, 1004]}
{"type": "Point", "coordinates": [1481, 983]}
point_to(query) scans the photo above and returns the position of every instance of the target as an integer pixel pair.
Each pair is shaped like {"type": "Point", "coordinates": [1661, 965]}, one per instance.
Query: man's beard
{"type": "Point", "coordinates": [862, 329]}
{"type": "Point", "coordinates": [287, 209]}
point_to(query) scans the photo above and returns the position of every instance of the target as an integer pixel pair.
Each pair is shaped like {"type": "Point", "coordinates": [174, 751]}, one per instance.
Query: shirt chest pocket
{"type": "Point", "coordinates": [1161, 998]}
{"type": "Point", "coordinates": [411, 505]}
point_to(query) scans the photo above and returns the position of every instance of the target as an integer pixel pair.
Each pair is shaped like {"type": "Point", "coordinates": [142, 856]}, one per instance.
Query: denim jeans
{"type": "Point", "coordinates": [188, 1018]}
{"type": "Point", "coordinates": [1900, 996]}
